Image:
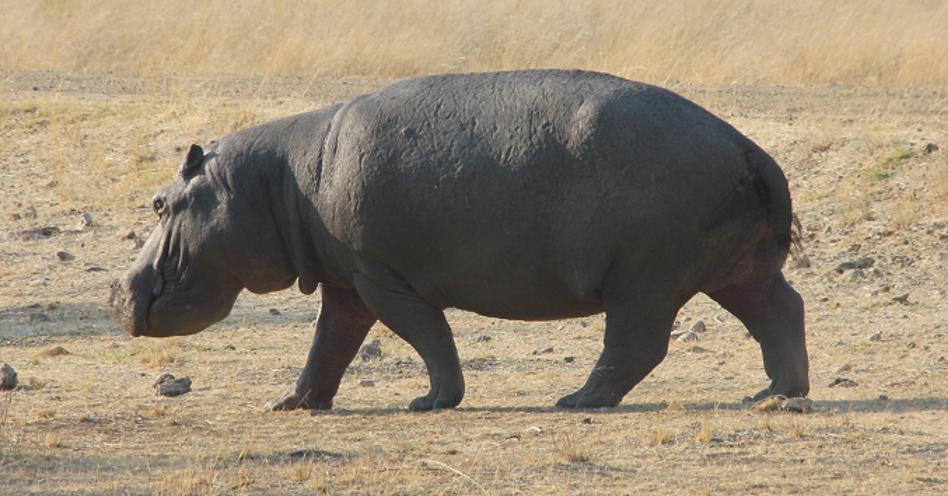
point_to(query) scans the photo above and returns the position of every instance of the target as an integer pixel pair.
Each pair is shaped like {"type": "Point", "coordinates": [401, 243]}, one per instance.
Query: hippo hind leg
{"type": "Point", "coordinates": [773, 313]}
{"type": "Point", "coordinates": [636, 341]}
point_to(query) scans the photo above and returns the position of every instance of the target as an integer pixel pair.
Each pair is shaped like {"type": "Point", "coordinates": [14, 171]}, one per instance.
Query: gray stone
{"type": "Point", "coordinates": [84, 222]}
{"type": "Point", "coordinates": [7, 376]}
{"type": "Point", "coordinates": [167, 385]}
{"type": "Point", "coordinates": [371, 350]}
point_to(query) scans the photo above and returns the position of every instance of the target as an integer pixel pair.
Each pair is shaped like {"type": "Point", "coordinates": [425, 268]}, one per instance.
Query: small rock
{"type": "Point", "coordinates": [569, 359]}
{"type": "Point", "coordinates": [587, 420]}
{"type": "Point", "coordinates": [843, 382]}
{"type": "Point", "coordinates": [930, 148]}
{"type": "Point", "coordinates": [845, 368]}
{"type": "Point", "coordinates": [876, 337]}
{"type": "Point", "coordinates": [543, 351]}
{"type": "Point", "coordinates": [84, 222]}
{"type": "Point", "coordinates": [687, 336]}
{"type": "Point", "coordinates": [902, 298]}
{"type": "Point", "coordinates": [7, 376]}
{"type": "Point", "coordinates": [167, 385]}
{"type": "Point", "coordinates": [801, 262]}
{"type": "Point", "coordinates": [699, 326]}
{"type": "Point", "coordinates": [274, 312]}
{"type": "Point", "coordinates": [64, 256]}
{"type": "Point", "coordinates": [367, 383]}
{"type": "Point", "coordinates": [534, 430]}
{"type": "Point", "coordinates": [95, 268]}
{"type": "Point", "coordinates": [130, 235]}
{"type": "Point", "coordinates": [482, 338]}
{"type": "Point", "coordinates": [861, 263]}
{"type": "Point", "coordinates": [371, 350]}
{"type": "Point", "coordinates": [883, 397]}
{"type": "Point", "coordinates": [39, 233]}
{"type": "Point", "coordinates": [781, 403]}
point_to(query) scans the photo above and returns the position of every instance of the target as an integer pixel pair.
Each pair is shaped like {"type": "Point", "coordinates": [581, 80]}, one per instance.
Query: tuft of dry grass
{"type": "Point", "coordinates": [52, 440]}
{"type": "Point", "coordinates": [157, 353]}
{"type": "Point", "coordinates": [705, 434]}
{"type": "Point", "coordinates": [660, 436]}
{"type": "Point", "coordinates": [572, 451]}
{"type": "Point", "coordinates": [46, 413]}
{"type": "Point", "coordinates": [819, 41]}
{"type": "Point", "coordinates": [53, 351]}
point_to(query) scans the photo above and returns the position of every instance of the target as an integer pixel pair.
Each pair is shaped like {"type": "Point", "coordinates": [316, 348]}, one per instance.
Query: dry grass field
{"type": "Point", "coordinates": [97, 105]}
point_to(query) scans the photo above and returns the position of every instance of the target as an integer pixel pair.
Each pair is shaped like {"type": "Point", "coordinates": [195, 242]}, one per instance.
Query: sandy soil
{"type": "Point", "coordinates": [868, 171]}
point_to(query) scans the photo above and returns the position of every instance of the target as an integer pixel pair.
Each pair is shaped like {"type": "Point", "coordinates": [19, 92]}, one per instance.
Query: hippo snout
{"type": "Point", "coordinates": [129, 311]}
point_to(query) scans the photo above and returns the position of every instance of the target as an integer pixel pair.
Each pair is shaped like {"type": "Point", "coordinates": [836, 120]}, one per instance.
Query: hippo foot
{"type": "Point", "coordinates": [432, 402]}
{"type": "Point", "coordinates": [771, 391]}
{"type": "Point", "coordinates": [294, 401]}
{"type": "Point", "coordinates": [588, 399]}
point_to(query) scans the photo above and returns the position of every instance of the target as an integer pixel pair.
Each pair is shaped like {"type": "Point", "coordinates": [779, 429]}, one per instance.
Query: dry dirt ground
{"type": "Point", "coordinates": [869, 175]}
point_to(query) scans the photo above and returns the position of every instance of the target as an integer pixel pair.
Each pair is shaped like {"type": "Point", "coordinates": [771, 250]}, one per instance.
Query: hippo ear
{"type": "Point", "coordinates": [192, 161]}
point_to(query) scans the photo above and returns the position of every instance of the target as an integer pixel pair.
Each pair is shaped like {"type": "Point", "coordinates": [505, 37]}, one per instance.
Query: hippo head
{"type": "Point", "coordinates": [213, 238]}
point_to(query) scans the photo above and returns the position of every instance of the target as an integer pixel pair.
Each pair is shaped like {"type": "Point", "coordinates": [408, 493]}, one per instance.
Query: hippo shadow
{"type": "Point", "coordinates": [819, 406]}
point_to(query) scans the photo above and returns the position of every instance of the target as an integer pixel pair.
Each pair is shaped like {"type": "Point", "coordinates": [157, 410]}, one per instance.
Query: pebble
{"type": "Point", "coordinates": [687, 336]}
{"type": "Point", "coordinates": [85, 221]}
{"type": "Point", "coordinates": [543, 351]}
{"type": "Point", "coordinates": [371, 350]}
{"type": "Point", "coordinates": [699, 326]}
{"type": "Point", "coordinates": [843, 382]}
{"type": "Point", "coordinates": [482, 338]}
{"type": "Point", "coordinates": [7, 376]}
{"type": "Point", "coordinates": [876, 337]}
{"type": "Point", "coordinates": [64, 256]}
{"type": "Point", "coordinates": [367, 383]}
{"type": "Point", "coordinates": [274, 312]}
{"type": "Point", "coordinates": [902, 298]}
{"type": "Point", "coordinates": [130, 235]}
{"type": "Point", "coordinates": [860, 263]}
{"type": "Point", "coordinates": [569, 359]}
{"type": "Point", "coordinates": [167, 385]}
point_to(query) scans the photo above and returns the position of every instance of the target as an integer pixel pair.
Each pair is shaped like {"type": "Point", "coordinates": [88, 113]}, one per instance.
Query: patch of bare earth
{"type": "Point", "coordinates": [869, 175]}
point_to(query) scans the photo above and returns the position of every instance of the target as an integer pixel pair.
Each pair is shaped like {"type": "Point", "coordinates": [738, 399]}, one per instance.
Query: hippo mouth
{"type": "Point", "coordinates": [171, 278]}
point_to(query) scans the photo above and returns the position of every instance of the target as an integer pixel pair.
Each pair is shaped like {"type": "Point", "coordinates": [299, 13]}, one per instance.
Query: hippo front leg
{"type": "Point", "coordinates": [341, 328]}
{"type": "Point", "coordinates": [424, 327]}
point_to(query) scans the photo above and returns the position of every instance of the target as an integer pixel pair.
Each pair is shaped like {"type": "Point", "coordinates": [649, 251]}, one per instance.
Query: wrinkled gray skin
{"type": "Point", "coordinates": [532, 195]}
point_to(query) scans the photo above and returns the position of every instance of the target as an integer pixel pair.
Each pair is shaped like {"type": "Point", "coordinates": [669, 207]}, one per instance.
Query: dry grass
{"type": "Point", "coordinates": [90, 422]}
{"type": "Point", "coordinates": [816, 41]}
{"type": "Point", "coordinates": [53, 351]}
{"type": "Point", "coordinates": [156, 353]}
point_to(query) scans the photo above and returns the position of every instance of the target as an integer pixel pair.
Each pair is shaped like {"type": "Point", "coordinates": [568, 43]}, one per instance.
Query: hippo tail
{"type": "Point", "coordinates": [775, 193]}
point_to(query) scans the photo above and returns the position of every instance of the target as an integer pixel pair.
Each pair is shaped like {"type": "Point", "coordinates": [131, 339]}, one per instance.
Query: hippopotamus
{"type": "Point", "coordinates": [529, 195]}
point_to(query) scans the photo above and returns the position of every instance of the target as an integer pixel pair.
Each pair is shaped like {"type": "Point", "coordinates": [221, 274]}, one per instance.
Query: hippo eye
{"type": "Point", "coordinates": [158, 205]}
